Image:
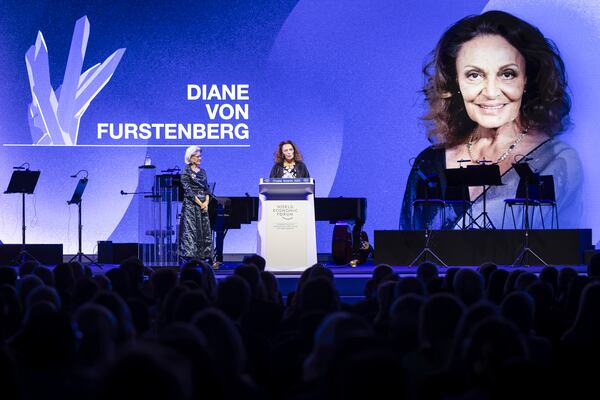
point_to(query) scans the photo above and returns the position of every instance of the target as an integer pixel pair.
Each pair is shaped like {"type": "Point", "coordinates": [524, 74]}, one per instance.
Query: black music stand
{"type": "Point", "coordinates": [77, 199]}
{"type": "Point", "coordinates": [457, 191]}
{"type": "Point", "coordinates": [431, 181]}
{"type": "Point", "coordinates": [483, 175]}
{"type": "Point", "coordinates": [529, 179]}
{"type": "Point", "coordinates": [23, 182]}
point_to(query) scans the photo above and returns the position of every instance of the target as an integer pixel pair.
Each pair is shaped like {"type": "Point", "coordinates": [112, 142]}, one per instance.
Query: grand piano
{"type": "Point", "coordinates": [231, 212]}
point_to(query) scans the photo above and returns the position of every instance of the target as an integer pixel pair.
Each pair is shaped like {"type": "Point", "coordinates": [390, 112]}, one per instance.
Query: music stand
{"type": "Point", "coordinates": [457, 190]}
{"type": "Point", "coordinates": [529, 178]}
{"type": "Point", "coordinates": [483, 175]}
{"type": "Point", "coordinates": [77, 199]}
{"type": "Point", "coordinates": [23, 182]}
{"type": "Point", "coordinates": [431, 181]}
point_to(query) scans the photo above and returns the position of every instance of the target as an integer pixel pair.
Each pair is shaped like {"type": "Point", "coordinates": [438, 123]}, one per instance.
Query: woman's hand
{"type": "Point", "coordinates": [204, 205]}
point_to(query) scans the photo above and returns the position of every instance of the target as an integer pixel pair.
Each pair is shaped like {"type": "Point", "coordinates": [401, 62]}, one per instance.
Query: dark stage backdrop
{"type": "Point", "coordinates": [341, 78]}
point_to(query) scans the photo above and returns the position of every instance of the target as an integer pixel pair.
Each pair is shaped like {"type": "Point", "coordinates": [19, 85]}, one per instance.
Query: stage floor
{"type": "Point", "coordinates": [363, 271]}
{"type": "Point", "coordinates": [349, 281]}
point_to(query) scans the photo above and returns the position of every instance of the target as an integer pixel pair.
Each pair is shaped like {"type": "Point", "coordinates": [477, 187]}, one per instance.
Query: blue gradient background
{"type": "Point", "coordinates": [341, 78]}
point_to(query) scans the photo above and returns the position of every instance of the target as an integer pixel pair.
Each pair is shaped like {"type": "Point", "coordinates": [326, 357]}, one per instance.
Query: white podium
{"type": "Point", "coordinates": [286, 224]}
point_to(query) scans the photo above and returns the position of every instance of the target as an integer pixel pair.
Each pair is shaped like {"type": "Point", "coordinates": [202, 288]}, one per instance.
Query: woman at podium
{"type": "Point", "coordinates": [288, 162]}
{"type": "Point", "coordinates": [195, 236]}
{"type": "Point", "coordinates": [497, 94]}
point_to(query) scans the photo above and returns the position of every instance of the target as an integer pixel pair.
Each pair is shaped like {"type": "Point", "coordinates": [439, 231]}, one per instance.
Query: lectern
{"type": "Point", "coordinates": [286, 224]}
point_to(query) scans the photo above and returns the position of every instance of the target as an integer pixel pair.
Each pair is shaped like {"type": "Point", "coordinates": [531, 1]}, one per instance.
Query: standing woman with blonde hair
{"type": "Point", "coordinates": [195, 235]}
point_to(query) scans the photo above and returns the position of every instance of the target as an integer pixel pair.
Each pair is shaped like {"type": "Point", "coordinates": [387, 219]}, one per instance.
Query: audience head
{"type": "Point", "coordinates": [98, 327]}
{"type": "Point", "coordinates": [11, 312]}
{"type": "Point", "coordinates": [494, 345]}
{"type": "Point", "coordinates": [409, 285]}
{"type": "Point", "coordinates": [271, 287]}
{"type": "Point", "coordinates": [64, 278]}
{"type": "Point", "coordinates": [251, 274]}
{"type": "Point", "coordinates": [449, 279]}
{"type": "Point", "coordinates": [223, 340]}
{"type": "Point", "coordinates": [519, 308]}
{"type": "Point", "coordinates": [496, 286]}
{"type": "Point", "coordinates": [27, 268]}
{"type": "Point", "coordinates": [525, 280]}
{"type": "Point", "coordinates": [438, 321]}
{"type": "Point", "coordinates": [134, 268]}
{"type": "Point", "coordinates": [233, 296]}
{"type": "Point", "coordinates": [318, 294]}
{"type": "Point", "coordinates": [26, 286]}
{"type": "Point", "coordinates": [549, 275]}
{"type": "Point", "coordinates": [512, 279]}
{"type": "Point", "coordinates": [593, 267]}
{"type": "Point", "coordinates": [43, 294]}
{"type": "Point", "coordinates": [257, 260]}
{"type": "Point", "coordinates": [189, 304]}
{"type": "Point", "coordinates": [120, 310]}
{"type": "Point", "coordinates": [334, 333]}
{"type": "Point", "coordinates": [468, 286]}
{"type": "Point", "coordinates": [486, 270]}
{"type": "Point", "coordinates": [45, 274]}
{"type": "Point", "coordinates": [85, 290]}
{"type": "Point", "coordinates": [427, 271]}
{"type": "Point", "coordinates": [162, 282]}
{"type": "Point", "coordinates": [588, 317]}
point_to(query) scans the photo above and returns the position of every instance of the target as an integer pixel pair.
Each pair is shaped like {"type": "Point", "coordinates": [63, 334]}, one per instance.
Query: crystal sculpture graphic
{"type": "Point", "coordinates": [54, 116]}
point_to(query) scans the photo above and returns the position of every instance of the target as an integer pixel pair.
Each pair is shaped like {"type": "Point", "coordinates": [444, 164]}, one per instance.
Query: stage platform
{"type": "Point", "coordinates": [474, 247]}
{"type": "Point", "coordinates": [349, 281]}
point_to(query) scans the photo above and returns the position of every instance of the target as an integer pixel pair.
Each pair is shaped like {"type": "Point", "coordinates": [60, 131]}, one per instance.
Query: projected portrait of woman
{"type": "Point", "coordinates": [195, 235]}
{"type": "Point", "coordinates": [496, 90]}
{"type": "Point", "coordinates": [288, 162]}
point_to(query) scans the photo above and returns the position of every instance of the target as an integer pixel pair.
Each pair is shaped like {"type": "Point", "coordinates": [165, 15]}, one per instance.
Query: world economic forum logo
{"type": "Point", "coordinates": [54, 115]}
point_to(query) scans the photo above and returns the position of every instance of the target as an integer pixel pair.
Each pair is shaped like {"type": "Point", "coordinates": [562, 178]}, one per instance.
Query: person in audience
{"type": "Point", "coordinates": [288, 162]}
{"type": "Point", "coordinates": [257, 260]}
{"type": "Point", "coordinates": [593, 267]}
{"type": "Point", "coordinates": [468, 286]}
{"type": "Point", "coordinates": [496, 91]}
{"type": "Point", "coordinates": [195, 235]}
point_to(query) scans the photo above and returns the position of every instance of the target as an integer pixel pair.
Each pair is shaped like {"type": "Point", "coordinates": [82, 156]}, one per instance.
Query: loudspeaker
{"type": "Point", "coordinates": [47, 254]}
{"type": "Point", "coordinates": [115, 253]}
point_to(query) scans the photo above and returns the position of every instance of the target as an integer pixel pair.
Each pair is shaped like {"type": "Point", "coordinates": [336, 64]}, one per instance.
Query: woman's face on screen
{"type": "Point", "coordinates": [491, 77]}
{"type": "Point", "coordinates": [288, 152]}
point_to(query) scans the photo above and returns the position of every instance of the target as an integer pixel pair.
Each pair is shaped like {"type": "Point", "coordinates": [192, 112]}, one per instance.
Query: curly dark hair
{"type": "Point", "coordinates": [546, 102]}
{"type": "Point", "coordinates": [279, 153]}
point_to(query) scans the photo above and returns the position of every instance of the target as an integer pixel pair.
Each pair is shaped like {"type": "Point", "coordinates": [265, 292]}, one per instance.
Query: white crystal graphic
{"type": "Point", "coordinates": [54, 116]}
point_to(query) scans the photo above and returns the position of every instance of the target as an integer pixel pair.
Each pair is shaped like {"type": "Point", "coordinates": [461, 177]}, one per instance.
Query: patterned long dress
{"type": "Point", "coordinates": [195, 235]}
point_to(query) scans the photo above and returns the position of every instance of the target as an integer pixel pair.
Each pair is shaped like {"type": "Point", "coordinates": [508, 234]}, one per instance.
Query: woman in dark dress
{"type": "Point", "coordinates": [195, 235]}
{"type": "Point", "coordinates": [288, 162]}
